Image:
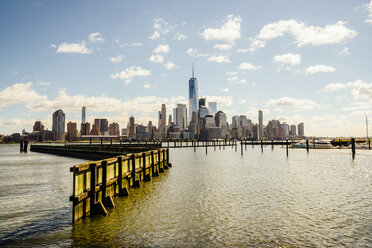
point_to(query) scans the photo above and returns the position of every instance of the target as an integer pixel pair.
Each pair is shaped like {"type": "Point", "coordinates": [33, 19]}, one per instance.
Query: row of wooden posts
{"type": "Point", "coordinates": [95, 183]}
{"type": "Point", "coordinates": [23, 145]}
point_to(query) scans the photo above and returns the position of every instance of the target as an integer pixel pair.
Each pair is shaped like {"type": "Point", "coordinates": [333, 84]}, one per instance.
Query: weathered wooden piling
{"type": "Point", "coordinates": [21, 145]}
{"type": "Point", "coordinates": [307, 145]}
{"type": "Point", "coordinates": [241, 147]}
{"type": "Point", "coordinates": [272, 145]}
{"type": "Point", "coordinates": [286, 146]}
{"type": "Point", "coordinates": [25, 144]}
{"type": "Point", "coordinates": [95, 183]}
{"type": "Point", "coordinates": [261, 145]}
{"type": "Point", "coordinates": [353, 148]}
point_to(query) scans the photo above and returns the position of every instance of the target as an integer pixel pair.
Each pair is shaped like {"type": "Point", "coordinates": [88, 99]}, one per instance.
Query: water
{"type": "Point", "coordinates": [216, 200]}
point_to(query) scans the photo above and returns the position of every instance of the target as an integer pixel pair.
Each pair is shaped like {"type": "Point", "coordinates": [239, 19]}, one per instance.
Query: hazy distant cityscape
{"type": "Point", "coordinates": [201, 120]}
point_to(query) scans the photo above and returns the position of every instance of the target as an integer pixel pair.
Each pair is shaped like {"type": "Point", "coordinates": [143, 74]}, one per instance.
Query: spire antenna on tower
{"type": "Point", "coordinates": [193, 70]}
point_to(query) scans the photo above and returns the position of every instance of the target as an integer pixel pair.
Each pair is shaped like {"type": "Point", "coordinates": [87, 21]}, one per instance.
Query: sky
{"type": "Point", "coordinates": [298, 61]}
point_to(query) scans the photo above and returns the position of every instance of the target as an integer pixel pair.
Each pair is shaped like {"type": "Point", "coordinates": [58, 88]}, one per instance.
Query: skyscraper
{"type": "Point", "coordinates": [300, 129]}
{"type": "Point", "coordinates": [193, 94]}
{"type": "Point", "coordinates": [132, 128]}
{"type": "Point", "coordinates": [202, 101]}
{"type": "Point", "coordinates": [180, 116]}
{"type": "Point", "coordinates": [83, 116]}
{"type": "Point", "coordinates": [162, 119]}
{"type": "Point", "coordinates": [260, 124]}
{"type": "Point", "coordinates": [71, 131]}
{"type": "Point", "coordinates": [59, 125]}
{"type": "Point", "coordinates": [212, 106]}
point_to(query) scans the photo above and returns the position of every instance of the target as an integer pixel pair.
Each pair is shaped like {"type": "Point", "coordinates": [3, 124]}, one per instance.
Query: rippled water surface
{"type": "Point", "coordinates": [220, 199]}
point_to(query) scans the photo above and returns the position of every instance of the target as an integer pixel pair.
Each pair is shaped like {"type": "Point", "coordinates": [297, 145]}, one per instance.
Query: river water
{"type": "Point", "coordinates": [219, 199]}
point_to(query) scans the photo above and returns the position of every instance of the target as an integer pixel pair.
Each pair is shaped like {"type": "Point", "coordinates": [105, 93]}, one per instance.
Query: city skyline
{"type": "Point", "coordinates": [292, 65]}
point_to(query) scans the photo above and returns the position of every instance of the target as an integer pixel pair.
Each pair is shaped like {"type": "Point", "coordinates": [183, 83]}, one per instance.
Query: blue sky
{"type": "Point", "coordinates": [298, 61]}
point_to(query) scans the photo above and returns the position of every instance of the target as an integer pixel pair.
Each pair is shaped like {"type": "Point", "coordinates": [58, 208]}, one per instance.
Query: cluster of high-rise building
{"type": "Point", "coordinates": [201, 120]}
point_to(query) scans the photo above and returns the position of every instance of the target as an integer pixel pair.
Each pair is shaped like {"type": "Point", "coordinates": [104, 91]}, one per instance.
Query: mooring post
{"type": "Point", "coordinates": [104, 178]}
{"type": "Point", "coordinates": [353, 147]}
{"type": "Point", "coordinates": [369, 144]}
{"type": "Point", "coordinates": [160, 169]}
{"type": "Point", "coordinates": [261, 145]}
{"type": "Point", "coordinates": [245, 142]}
{"type": "Point", "coordinates": [194, 145]}
{"type": "Point", "coordinates": [252, 145]}
{"type": "Point", "coordinates": [241, 147]}
{"type": "Point", "coordinates": [135, 183]}
{"type": "Point", "coordinates": [25, 145]}
{"type": "Point", "coordinates": [286, 146]}
{"type": "Point", "coordinates": [214, 145]}
{"type": "Point", "coordinates": [146, 177]}
{"type": "Point", "coordinates": [92, 193]}
{"type": "Point", "coordinates": [206, 149]}
{"type": "Point", "coordinates": [165, 165]}
{"type": "Point", "coordinates": [307, 145]}
{"type": "Point", "coordinates": [272, 145]}
{"type": "Point", "coordinates": [21, 145]}
{"type": "Point", "coordinates": [236, 145]}
{"type": "Point", "coordinates": [123, 191]}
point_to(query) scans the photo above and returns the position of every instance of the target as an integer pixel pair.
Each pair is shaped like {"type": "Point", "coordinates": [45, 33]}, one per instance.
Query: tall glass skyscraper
{"type": "Point", "coordinates": [193, 95]}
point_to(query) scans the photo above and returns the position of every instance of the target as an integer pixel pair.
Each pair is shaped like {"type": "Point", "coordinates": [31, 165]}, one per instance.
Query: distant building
{"type": "Point", "coordinates": [100, 127]}
{"type": "Point", "coordinates": [38, 127]}
{"type": "Point", "coordinates": [169, 119]}
{"type": "Point", "coordinates": [71, 131]}
{"type": "Point", "coordinates": [114, 129]}
{"type": "Point", "coordinates": [221, 122]}
{"type": "Point", "coordinates": [301, 130]}
{"type": "Point", "coordinates": [132, 128]}
{"type": "Point", "coordinates": [260, 125]}
{"type": "Point", "coordinates": [203, 112]}
{"type": "Point", "coordinates": [59, 125]}
{"type": "Point", "coordinates": [162, 123]}
{"type": "Point", "coordinates": [235, 121]}
{"type": "Point", "coordinates": [83, 115]}
{"type": "Point", "coordinates": [193, 95]}
{"type": "Point", "coordinates": [85, 128]}
{"type": "Point", "coordinates": [202, 101]}
{"type": "Point", "coordinates": [292, 130]}
{"type": "Point", "coordinates": [212, 106]}
{"type": "Point", "coordinates": [180, 116]}
{"type": "Point", "coordinates": [48, 135]}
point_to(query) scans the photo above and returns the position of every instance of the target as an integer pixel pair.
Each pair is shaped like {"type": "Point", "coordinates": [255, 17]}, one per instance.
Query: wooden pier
{"type": "Point", "coordinates": [95, 183]}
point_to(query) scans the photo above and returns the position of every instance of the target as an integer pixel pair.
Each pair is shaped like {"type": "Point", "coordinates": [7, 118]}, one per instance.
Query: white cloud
{"type": "Point", "coordinates": [248, 66]}
{"type": "Point", "coordinates": [117, 58]}
{"type": "Point", "coordinates": [368, 6]}
{"type": "Point", "coordinates": [257, 44]}
{"type": "Point", "coordinates": [156, 58]}
{"type": "Point", "coordinates": [160, 27]}
{"type": "Point", "coordinates": [340, 86]}
{"type": "Point", "coordinates": [181, 37]}
{"type": "Point", "coordinates": [129, 73]}
{"type": "Point", "coordinates": [155, 35]}
{"type": "Point", "coordinates": [363, 92]}
{"type": "Point", "coordinates": [243, 81]}
{"type": "Point", "coordinates": [242, 50]}
{"type": "Point", "coordinates": [228, 32]}
{"type": "Point", "coordinates": [298, 104]}
{"type": "Point", "coordinates": [345, 51]}
{"type": "Point", "coordinates": [288, 58]}
{"type": "Point", "coordinates": [319, 68]}
{"type": "Point", "coordinates": [304, 34]}
{"type": "Point", "coordinates": [219, 59]}
{"type": "Point", "coordinates": [19, 93]}
{"type": "Point", "coordinates": [74, 48]}
{"type": "Point", "coordinates": [169, 65]}
{"type": "Point", "coordinates": [147, 86]}
{"type": "Point", "coordinates": [53, 46]}
{"type": "Point", "coordinates": [44, 83]}
{"type": "Point", "coordinates": [222, 101]}
{"type": "Point", "coordinates": [231, 73]}
{"type": "Point", "coordinates": [226, 90]}
{"type": "Point", "coordinates": [194, 52]}
{"type": "Point", "coordinates": [233, 79]}
{"type": "Point", "coordinates": [162, 49]}
{"type": "Point", "coordinates": [96, 37]}
{"type": "Point", "coordinates": [133, 44]}
{"type": "Point", "coordinates": [223, 46]}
